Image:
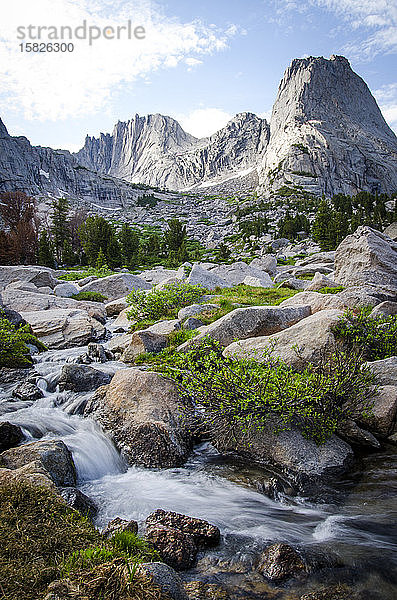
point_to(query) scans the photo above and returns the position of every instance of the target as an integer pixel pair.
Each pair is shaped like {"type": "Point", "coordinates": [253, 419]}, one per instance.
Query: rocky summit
{"type": "Point", "coordinates": [326, 135]}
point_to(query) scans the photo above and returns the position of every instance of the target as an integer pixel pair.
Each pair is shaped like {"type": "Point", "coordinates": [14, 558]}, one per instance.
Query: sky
{"type": "Point", "coordinates": [199, 62]}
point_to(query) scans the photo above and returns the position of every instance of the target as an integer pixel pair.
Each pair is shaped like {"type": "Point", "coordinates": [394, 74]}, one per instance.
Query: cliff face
{"type": "Point", "coordinates": [55, 173]}
{"type": "Point", "coordinates": [327, 133]}
{"type": "Point", "coordinates": [155, 150]}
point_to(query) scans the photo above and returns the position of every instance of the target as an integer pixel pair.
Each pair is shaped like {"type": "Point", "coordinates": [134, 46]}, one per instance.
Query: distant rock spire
{"type": "Point", "coordinates": [3, 130]}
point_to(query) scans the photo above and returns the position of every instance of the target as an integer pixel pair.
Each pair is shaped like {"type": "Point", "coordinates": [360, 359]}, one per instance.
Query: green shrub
{"type": "Point", "coordinates": [245, 393]}
{"type": "Point", "coordinates": [88, 272]}
{"type": "Point", "coordinates": [14, 351]}
{"type": "Point", "coordinates": [375, 336]}
{"type": "Point", "coordinates": [91, 296]}
{"type": "Point", "coordinates": [160, 303]}
{"type": "Point", "coordinates": [331, 290]}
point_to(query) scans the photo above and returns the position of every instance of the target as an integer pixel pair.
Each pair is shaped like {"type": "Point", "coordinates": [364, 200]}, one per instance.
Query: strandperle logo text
{"type": "Point", "coordinates": [81, 32]}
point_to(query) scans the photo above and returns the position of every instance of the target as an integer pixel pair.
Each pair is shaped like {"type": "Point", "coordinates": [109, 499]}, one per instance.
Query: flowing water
{"type": "Point", "coordinates": [352, 538]}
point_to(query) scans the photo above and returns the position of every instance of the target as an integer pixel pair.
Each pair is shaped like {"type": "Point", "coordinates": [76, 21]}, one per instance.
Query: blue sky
{"type": "Point", "coordinates": [200, 62]}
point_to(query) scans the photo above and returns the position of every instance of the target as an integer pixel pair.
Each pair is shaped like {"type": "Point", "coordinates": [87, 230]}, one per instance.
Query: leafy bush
{"type": "Point", "coordinates": [375, 336]}
{"type": "Point", "coordinates": [245, 393]}
{"type": "Point", "coordinates": [14, 351]}
{"type": "Point", "coordinates": [160, 303]}
{"type": "Point", "coordinates": [331, 290]}
{"type": "Point", "coordinates": [91, 296]}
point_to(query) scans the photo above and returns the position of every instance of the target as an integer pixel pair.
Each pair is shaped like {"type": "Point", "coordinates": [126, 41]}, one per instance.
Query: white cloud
{"type": "Point", "coordinates": [373, 21]}
{"type": "Point", "coordinates": [57, 86]}
{"type": "Point", "coordinates": [203, 122]}
{"type": "Point", "coordinates": [387, 100]}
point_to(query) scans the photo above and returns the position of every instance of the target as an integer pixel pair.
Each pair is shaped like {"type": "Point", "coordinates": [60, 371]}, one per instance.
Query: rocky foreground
{"type": "Point", "coordinates": [153, 426]}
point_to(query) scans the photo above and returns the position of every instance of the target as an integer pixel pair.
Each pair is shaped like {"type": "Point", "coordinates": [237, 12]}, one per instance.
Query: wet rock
{"type": "Point", "coordinates": [118, 525]}
{"type": "Point", "coordinates": [144, 341]}
{"type": "Point", "coordinates": [33, 472]}
{"type": "Point", "coordinates": [122, 322]}
{"type": "Point", "coordinates": [118, 343]}
{"type": "Point", "coordinates": [196, 309]}
{"type": "Point", "coordinates": [302, 460]}
{"type": "Point", "coordinates": [204, 534]}
{"type": "Point", "coordinates": [98, 353]}
{"type": "Point", "coordinates": [198, 590]}
{"type": "Point", "coordinates": [79, 501]}
{"type": "Point", "coordinates": [177, 549]}
{"type": "Point", "coordinates": [64, 328]}
{"type": "Point", "coordinates": [53, 456]}
{"type": "Point", "coordinates": [367, 257]}
{"type": "Point", "coordinates": [279, 562]}
{"type": "Point", "coordinates": [304, 342]}
{"type": "Point", "coordinates": [82, 378]}
{"type": "Point", "coordinates": [149, 422]}
{"type": "Point", "coordinates": [9, 375]}
{"type": "Point", "coordinates": [28, 391]}
{"type": "Point", "coordinates": [191, 324]}
{"type": "Point", "coordinates": [10, 436]}
{"type": "Point", "coordinates": [166, 579]}
{"type": "Point", "coordinates": [243, 323]}
{"type": "Point", "coordinates": [355, 435]}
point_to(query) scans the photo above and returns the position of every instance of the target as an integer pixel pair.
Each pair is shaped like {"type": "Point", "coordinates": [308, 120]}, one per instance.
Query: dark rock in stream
{"type": "Point", "coordinates": [204, 534]}
{"type": "Point", "coordinates": [10, 436]}
{"type": "Point", "coordinates": [166, 579]}
{"type": "Point", "coordinates": [177, 549]}
{"type": "Point", "coordinates": [197, 590]}
{"type": "Point", "coordinates": [79, 501]}
{"type": "Point", "coordinates": [82, 378]}
{"type": "Point", "coordinates": [27, 391]}
{"type": "Point", "coordinates": [9, 375]}
{"type": "Point", "coordinates": [280, 561]}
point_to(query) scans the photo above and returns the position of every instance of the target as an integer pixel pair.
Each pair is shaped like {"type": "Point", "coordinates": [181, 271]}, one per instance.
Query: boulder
{"type": "Point", "coordinates": [11, 315]}
{"type": "Point", "coordinates": [312, 270]}
{"type": "Point", "coordinates": [191, 324]}
{"type": "Point", "coordinates": [39, 276]}
{"type": "Point", "coordinates": [319, 282]}
{"type": "Point", "coordinates": [280, 561]}
{"type": "Point", "coordinates": [167, 282]}
{"type": "Point", "coordinates": [165, 327]}
{"type": "Point", "coordinates": [98, 353]}
{"type": "Point", "coordinates": [116, 286]}
{"type": "Point", "coordinates": [158, 274]}
{"type": "Point", "coordinates": [176, 549]}
{"type": "Point", "coordinates": [10, 436]}
{"type": "Point", "coordinates": [166, 579]}
{"type": "Point", "coordinates": [149, 422]}
{"type": "Point", "coordinates": [293, 284]}
{"type": "Point", "coordinates": [250, 322]}
{"type": "Point", "coordinates": [81, 378]}
{"type": "Point", "coordinates": [351, 298]}
{"type": "Point", "coordinates": [382, 419]}
{"type": "Point", "coordinates": [237, 272]}
{"type": "Point", "coordinates": [118, 525]}
{"type": "Point", "coordinates": [303, 461]}
{"type": "Point", "coordinates": [52, 455]}
{"type": "Point", "coordinates": [367, 257]}
{"type": "Point", "coordinates": [27, 391]}
{"type": "Point", "coordinates": [391, 231]}
{"type": "Point", "coordinates": [79, 501]}
{"type": "Point", "coordinates": [319, 257]}
{"type": "Point", "coordinates": [267, 263]}
{"type": "Point", "coordinates": [122, 322]}
{"type": "Point", "coordinates": [356, 436]}
{"type": "Point", "coordinates": [196, 309]}
{"type": "Point", "coordinates": [207, 279]}
{"type": "Point", "coordinates": [66, 290]}
{"type": "Point", "coordinates": [33, 472]}
{"type": "Point", "coordinates": [263, 281]}
{"type": "Point", "coordinates": [115, 307]}
{"type": "Point", "coordinates": [118, 343]}
{"type": "Point", "coordinates": [304, 342]}
{"type": "Point", "coordinates": [384, 309]}
{"type": "Point", "coordinates": [385, 370]}
{"type": "Point", "coordinates": [64, 328]}
{"type": "Point", "coordinates": [204, 534]}
{"type": "Point", "coordinates": [144, 341]}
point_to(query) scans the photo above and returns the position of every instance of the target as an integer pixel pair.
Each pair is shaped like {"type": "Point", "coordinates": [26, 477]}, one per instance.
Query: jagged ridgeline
{"type": "Point", "coordinates": [326, 135]}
